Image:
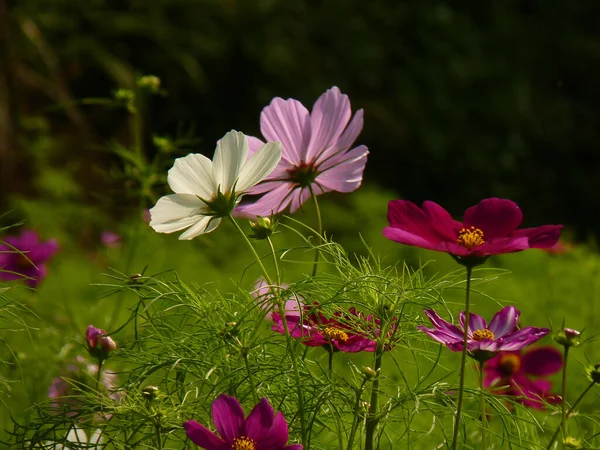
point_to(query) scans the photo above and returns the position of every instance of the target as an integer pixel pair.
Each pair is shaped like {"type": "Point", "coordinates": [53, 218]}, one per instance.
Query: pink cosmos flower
{"type": "Point", "coordinates": [521, 374]}
{"type": "Point", "coordinates": [261, 430]}
{"type": "Point", "coordinates": [111, 239]}
{"type": "Point", "coordinates": [316, 152]}
{"type": "Point", "coordinates": [29, 261]}
{"type": "Point", "coordinates": [99, 344]}
{"type": "Point", "coordinates": [334, 334]}
{"type": "Point", "coordinates": [484, 340]}
{"type": "Point", "coordinates": [488, 228]}
{"type": "Point", "coordinates": [264, 296]}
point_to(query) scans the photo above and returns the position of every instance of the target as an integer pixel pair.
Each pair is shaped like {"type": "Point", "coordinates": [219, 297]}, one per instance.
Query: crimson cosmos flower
{"type": "Point", "coordinates": [521, 374]}
{"type": "Point", "coordinates": [29, 261]}
{"type": "Point", "coordinates": [261, 430]}
{"type": "Point", "coordinates": [337, 333]}
{"type": "Point", "coordinates": [488, 228]}
{"type": "Point", "coordinates": [484, 340]}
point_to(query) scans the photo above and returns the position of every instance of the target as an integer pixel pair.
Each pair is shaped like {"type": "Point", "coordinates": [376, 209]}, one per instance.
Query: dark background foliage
{"type": "Point", "coordinates": [462, 99]}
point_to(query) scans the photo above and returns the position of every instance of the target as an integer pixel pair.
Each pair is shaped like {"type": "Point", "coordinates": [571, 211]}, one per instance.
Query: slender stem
{"type": "Point", "coordinates": [483, 412]}
{"type": "Point", "coordinates": [275, 261]}
{"type": "Point", "coordinates": [330, 351]}
{"type": "Point", "coordinates": [463, 360]}
{"type": "Point", "coordinates": [158, 436]}
{"type": "Point", "coordinates": [292, 354]}
{"type": "Point", "coordinates": [564, 393]}
{"type": "Point", "coordinates": [258, 260]}
{"type": "Point", "coordinates": [555, 435]}
{"type": "Point", "coordinates": [99, 373]}
{"type": "Point", "coordinates": [319, 230]}
{"type": "Point", "coordinates": [250, 377]}
{"type": "Point", "coordinates": [354, 427]}
{"type": "Point", "coordinates": [372, 417]}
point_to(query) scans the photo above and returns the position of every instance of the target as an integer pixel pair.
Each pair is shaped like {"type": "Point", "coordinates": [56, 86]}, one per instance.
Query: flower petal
{"type": "Point", "coordinates": [230, 156]}
{"type": "Point", "coordinates": [203, 437]}
{"type": "Point", "coordinates": [505, 321]}
{"type": "Point", "coordinates": [441, 336]}
{"type": "Point", "coordinates": [407, 238]}
{"type": "Point", "coordinates": [345, 141]}
{"type": "Point", "coordinates": [545, 236]}
{"type": "Point", "coordinates": [228, 417]}
{"type": "Point", "coordinates": [277, 436]}
{"type": "Point", "coordinates": [192, 174]}
{"type": "Point", "coordinates": [476, 322]}
{"type": "Point", "coordinates": [259, 421]}
{"type": "Point", "coordinates": [299, 196]}
{"type": "Point", "coordinates": [499, 246]}
{"type": "Point", "coordinates": [287, 121]}
{"type": "Point", "coordinates": [407, 216]}
{"type": "Point", "coordinates": [176, 212]}
{"type": "Point", "coordinates": [205, 225]}
{"type": "Point", "coordinates": [542, 361]}
{"type": "Point", "coordinates": [328, 119]}
{"type": "Point", "coordinates": [496, 217]}
{"type": "Point", "coordinates": [271, 203]}
{"type": "Point", "coordinates": [443, 325]}
{"type": "Point", "coordinates": [345, 172]}
{"type": "Point", "coordinates": [522, 338]}
{"type": "Point", "coordinates": [259, 165]}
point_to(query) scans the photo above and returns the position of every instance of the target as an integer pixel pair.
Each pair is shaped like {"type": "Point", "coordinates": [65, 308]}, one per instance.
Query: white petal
{"type": "Point", "coordinates": [176, 212]}
{"type": "Point", "coordinates": [193, 174]}
{"type": "Point", "coordinates": [77, 435]}
{"type": "Point", "coordinates": [259, 165]}
{"type": "Point", "coordinates": [229, 158]}
{"type": "Point", "coordinates": [96, 437]}
{"type": "Point", "coordinates": [205, 225]}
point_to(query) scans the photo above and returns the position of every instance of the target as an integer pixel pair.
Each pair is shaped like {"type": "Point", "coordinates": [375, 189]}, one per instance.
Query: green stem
{"type": "Point", "coordinates": [564, 393]}
{"type": "Point", "coordinates": [250, 377]}
{"type": "Point", "coordinates": [583, 394]}
{"type": "Point", "coordinates": [463, 362]}
{"type": "Point", "coordinates": [330, 351]}
{"type": "Point", "coordinates": [483, 412]}
{"type": "Point", "coordinates": [252, 249]}
{"type": "Point", "coordinates": [319, 230]}
{"type": "Point", "coordinates": [354, 427]}
{"type": "Point", "coordinates": [158, 437]}
{"type": "Point", "coordinates": [372, 417]}
{"type": "Point", "coordinates": [99, 373]}
{"type": "Point", "coordinates": [275, 262]}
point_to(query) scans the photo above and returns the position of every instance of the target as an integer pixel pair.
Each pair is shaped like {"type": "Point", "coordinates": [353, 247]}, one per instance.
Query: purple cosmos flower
{"type": "Point", "coordinates": [521, 374]}
{"type": "Point", "coordinates": [484, 340]}
{"type": "Point", "coordinates": [99, 345]}
{"type": "Point", "coordinates": [29, 261]}
{"type": "Point", "coordinates": [316, 152]}
{"type": "Point", "coordinates": [261, 430]}
{"type": "Point", "coordinates": [488, 228]}
{"type": "Point", "coordinates": [338, 333]}
{"type": "Point", "coordinates": [264, 296]}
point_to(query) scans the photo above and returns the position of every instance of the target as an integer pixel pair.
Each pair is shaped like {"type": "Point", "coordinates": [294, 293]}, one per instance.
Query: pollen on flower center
{"type": "Point", "coordinates": [335, 333]}
{"type": "Point", "coordinates": [470, 237]}
{"type": "Point", "coordinates": [244, 443]}
{"type": "Point", "coordinates": [509, 363]}
{"type": "Point", "coordinates": [479, 335]}
{"type": "Point", "coordinates": [303, 174]}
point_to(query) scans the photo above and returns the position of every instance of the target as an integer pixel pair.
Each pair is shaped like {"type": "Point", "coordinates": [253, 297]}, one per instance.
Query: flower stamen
{"type": "Point", "coordinates": [480, 335]}
{"type": "Point", "coordinates": [470, 237]}
{"type": "Point", "coordinates": [244, 443]}
{"type": "Point", "coordinates": [335, 333]}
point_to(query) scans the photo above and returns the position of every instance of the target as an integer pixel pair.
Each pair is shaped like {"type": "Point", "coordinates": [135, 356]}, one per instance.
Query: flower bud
{"type": "Point", "coordinates": [150, 392]}
{"type": "Point", "coordinates": [150, 82]}
{"type": "Point", "coordinates": [568, 337]}
{"type": "Point", "coordinates": [594, 373]}
{"type": "Point", "coordinates": [99, 345]}
{"type": "Point", "coordinates": [369, 372]}
{"type": "Point", "coordinates": [263, 227]}
{"type": "Point", "coordinates": [571, 442]}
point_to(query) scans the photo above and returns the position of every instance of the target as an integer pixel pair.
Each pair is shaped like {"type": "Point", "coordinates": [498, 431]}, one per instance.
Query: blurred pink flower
{"type": "Point", "coordinates": [263, 293]}
{"type": "Point", "coordinates": [316, 152]}
{"type": "Point", "coordinates": [29, 261]}
{"type": "Point", "coordinates": [110, 239]}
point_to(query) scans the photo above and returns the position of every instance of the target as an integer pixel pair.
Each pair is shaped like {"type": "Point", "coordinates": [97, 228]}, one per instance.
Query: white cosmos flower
{"type": "Point", "coordinates": [207, 190]}
{"type": "Point", "coordinates": [79, 437]}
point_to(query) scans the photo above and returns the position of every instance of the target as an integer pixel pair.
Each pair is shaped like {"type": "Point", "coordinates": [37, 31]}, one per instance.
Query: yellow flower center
{"type": "Point", "coordinates": [244, 443]}
{"type": "Point", "coordinates": [470, 237]}
{"type": "Point", "coordinates": [509, 363]}
{"type": "Point", "coordinates": [335, 333]}
{"type": "Point", "coordinates": [480, 335]}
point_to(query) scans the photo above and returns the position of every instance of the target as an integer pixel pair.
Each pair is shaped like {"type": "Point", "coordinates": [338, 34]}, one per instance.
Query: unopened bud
{"type": "Point", "coordinates": [150, 392]}
{"type": "Point", "coordinates": [594, 373]}
{"type": "Point", "coordinates": [263, 227]}
{"type": "Point", "coordinates": [568, 337]}
{"type": "Point", "coordinates": [571, 442]}
{"type": "Point", "coordinates": [150, 82]}
{"type": "Point", "coordinates": [99, 345]}
{"type": "Point", "coordinates": [369, 372]}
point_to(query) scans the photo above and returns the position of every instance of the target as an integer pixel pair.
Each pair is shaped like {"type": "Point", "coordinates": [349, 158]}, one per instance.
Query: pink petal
{"type": "Point", "coordinates": [522, 338]}
{"type": "Point", "coordinates": [496, 217]}
{"type": "Point", "coordinates": [545, 236]}
{"type": "Point", "coordinates": [443, 325]}
{"type": "Point", "coordinates": [542, 361]}
{"type": "Point", "coordinates": [253, 145]}
{"type": "Point", "coordinates": [203, 437]}
{"type": "Point", "coordinates": [287, 121]}
{"type": "Point", "coordinates": [505, 321]}
{"type": "Point", "coordinates": [300, 195]}
{"type": "Point", "coordinates": [228, 417]}
{"type": "Point", "coordinates": [346, 175]}
{"type": "Point", "coordinates": [277, 436]}
{"type": "Point", "coordinates": [407, 238]}
{"type": "Point", "coordinates": [259, 421]}
{"type": "Point", "coordinates": [476, 322]}
{"type": "Point", "coordinates": [328, 119]}
{"type": "Point", "coordinates": [345, 141]}
{"type": "Point", "coordinates": [271, 203]}
{"type": "Point", "coordinates": [497, 247]}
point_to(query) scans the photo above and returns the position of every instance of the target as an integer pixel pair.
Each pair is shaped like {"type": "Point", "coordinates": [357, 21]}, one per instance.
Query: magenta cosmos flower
{"type": "Point", "coordinates": [488, 228]}
{"type": "Point", "coordinates": [261, 430]}
{"type": "Point", "coordinates": [339, 333]}
{"type": "Point", "coordinates": [484, 340]}
{"type": "Point", "coordinates": [521, 374]}
{"type": "Point", "coordinates": [316, 152]}
{"type": "Point", "coordinates": [29, 261]}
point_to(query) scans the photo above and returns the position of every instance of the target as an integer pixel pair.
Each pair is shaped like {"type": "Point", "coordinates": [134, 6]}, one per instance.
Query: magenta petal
{"type": "Point", "coordinates": [504, 321]}
{"type": "Point", "coordinates": [43, 251]}
{"type": "Point", "coordinates": [506, 245]}
{"type": "Point", "coordinates": [442, 337]}
{"type": "Point", "coordinates": [496, 217]}
{"type": "Point", "coordinates": [443, 325]}
{"type": "Point", "coordinates": [293, 447]}
{"type": "Point", "coordinates": [442, 222]}
{"type": "Point", "coordinates": [542, 361]}
{"type": "Point", "coordinates": [203, 437]}
{"type": "Point", "coordinates": [407, 238]}
{"type": "Point", "coordinates": [259, 421]}
{"type": "Point", "coordinates": [474, 319]}
{"type": "Point", "coordinates": [286, 121]}
{"type": "Point", "coordinates": [277, 435]}
{"type": "Point", "coordinates": [545, 236]}
{"type": "Point", "coordinates": [228, 417]}
{"type": "Point", "coordinates": [408, 217]}
{"type": "Point", "coordinates": [523, 338]}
